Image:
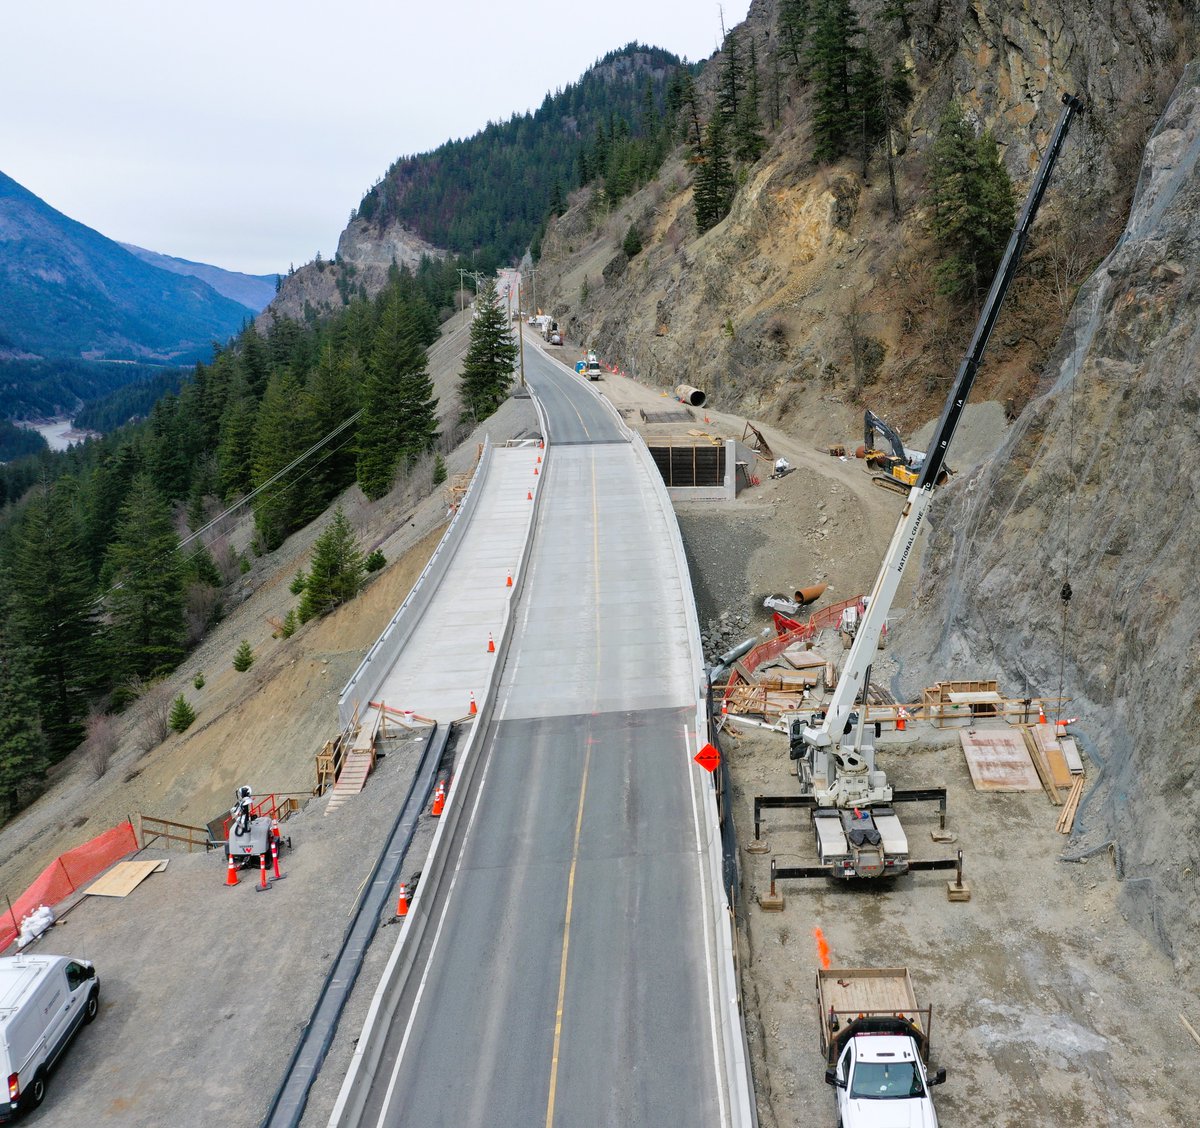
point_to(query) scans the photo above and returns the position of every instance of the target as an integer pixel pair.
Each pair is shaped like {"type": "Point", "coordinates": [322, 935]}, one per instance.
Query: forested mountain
{"type": "Point", "coordinates": [252, 290]}
{"type": "Point", "coordinates": [100, 596]}
{"type": "Point", "coordinates": [67, 291]}
{"type": "Point", "coordinates": [491, 193]}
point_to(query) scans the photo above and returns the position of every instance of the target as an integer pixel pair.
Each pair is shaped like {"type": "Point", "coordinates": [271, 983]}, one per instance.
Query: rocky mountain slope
{"type": "Point", "coordinates": [67, 291]}
{"type": "Point", "coordinates": [1094, 487]}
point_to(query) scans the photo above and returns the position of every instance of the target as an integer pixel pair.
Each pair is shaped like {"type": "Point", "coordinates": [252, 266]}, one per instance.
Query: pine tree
{"type": "Point", "coordinates": [487, 370]}
{"type": "Point", "coordinates": [974, 206]}
{"type": "Point", "coordinates": [399, 420]}
{"type": "Point", "coordinates": [243, 657]}
{"type": "Point", "coordinates": [280, 436]}
{"type": "Point", "coordinates": [714, 178]}
{"type": "Point", "coordinates": [732, 79]}
{"type": "Point", "coordinates": [336, 573]}
{"type": "Point", "coordinates": [749, 143]}
{"type": "Point", "coordinates": [182, 714]}
{"type": "Point", "coordinates": [53, 597]}
{"type": "Point", "coordinates": [793, 28]}
{"type": "Point", "coordinates": [831, 60]}
{"type": "Point", "coordinates": [146, 602]}
{"type": "Point", "coordinates": [23, 759]}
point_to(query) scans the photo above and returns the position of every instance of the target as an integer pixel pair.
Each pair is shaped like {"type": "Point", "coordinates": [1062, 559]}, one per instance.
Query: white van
{"type": "Point", "coordinates": [43, 1002]}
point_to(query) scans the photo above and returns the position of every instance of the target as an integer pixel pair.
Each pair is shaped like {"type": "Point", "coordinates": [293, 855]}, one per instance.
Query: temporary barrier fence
{"type": "Point", "coordinates": [67, 873]}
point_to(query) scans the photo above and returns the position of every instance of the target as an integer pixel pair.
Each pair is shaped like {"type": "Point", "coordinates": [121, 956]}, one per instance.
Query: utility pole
{"type": "Point", "coordinates": [521, 334]}
{"type": "Point", "coordinates": [462, 298]}
{"type": "Point", "coordinates": [533, 272]}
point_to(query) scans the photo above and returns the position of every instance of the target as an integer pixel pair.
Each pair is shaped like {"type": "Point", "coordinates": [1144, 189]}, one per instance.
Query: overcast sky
{"type": "Point", "coordinates": [242, 132]}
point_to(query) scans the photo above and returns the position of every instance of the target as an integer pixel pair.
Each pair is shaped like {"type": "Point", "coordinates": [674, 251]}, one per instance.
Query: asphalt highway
{"type": "Point", "coordinates": [567, 978]}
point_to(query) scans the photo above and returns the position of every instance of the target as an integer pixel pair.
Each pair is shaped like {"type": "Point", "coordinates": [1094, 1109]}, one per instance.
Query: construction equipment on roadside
{"type": "Point", "coordinates": [834, 748]}
{"type": "Point", "coordinates": [252, 835]}
{"type": "Point", "coordinates": [897, 469]}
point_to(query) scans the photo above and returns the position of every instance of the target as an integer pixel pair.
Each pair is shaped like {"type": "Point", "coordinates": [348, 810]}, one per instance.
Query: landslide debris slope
{"type": "Point", "coordinates": [1096, 485]}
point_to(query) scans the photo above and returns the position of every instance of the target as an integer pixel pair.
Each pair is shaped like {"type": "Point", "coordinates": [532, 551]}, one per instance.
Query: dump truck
{"type": "Point", "coordinates": [876, 1044]}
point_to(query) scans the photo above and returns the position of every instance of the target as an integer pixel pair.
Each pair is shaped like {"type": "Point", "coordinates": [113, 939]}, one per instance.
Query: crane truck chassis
{"type": "Point", "coordinates": [833, 748]}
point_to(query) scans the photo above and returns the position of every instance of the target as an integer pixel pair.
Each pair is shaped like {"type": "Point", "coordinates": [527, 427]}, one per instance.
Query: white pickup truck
{"type": "Point", "coordinates": [876, 1044]}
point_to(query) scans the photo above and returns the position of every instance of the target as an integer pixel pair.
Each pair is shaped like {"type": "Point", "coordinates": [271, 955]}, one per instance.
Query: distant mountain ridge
{"type": "Point", "coordinates": [67, 291]}
{"type": "Point", "coordinates": [252, 290]}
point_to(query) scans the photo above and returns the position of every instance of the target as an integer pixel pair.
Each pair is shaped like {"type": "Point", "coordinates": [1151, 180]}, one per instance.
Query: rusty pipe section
{"type": "Point", "coordinates": [693, 397]}
{"type": "Point", "coordinates": [810, 594]}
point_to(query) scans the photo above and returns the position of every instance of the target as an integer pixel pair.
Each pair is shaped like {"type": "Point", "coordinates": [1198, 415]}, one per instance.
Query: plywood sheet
{"type": "Point", "coordinates": [123, 878]}
{"type": "Point", "coordinates": [1047, 741]}
{"type": "Point", "coordinates": [998, 760]}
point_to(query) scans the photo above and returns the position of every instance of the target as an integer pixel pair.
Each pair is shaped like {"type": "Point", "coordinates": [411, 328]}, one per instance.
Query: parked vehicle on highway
{"type": "Point", "coordinates": [44, 1000]}
{"type": "Point", "coordinates": [876, 1043]}
{"type": "Point", "coordinates": [593, 366]}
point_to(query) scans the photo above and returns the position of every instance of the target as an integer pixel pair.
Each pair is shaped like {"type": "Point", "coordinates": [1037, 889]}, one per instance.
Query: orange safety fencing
{"type": "Point", "coordinates": [768, 651]}
{"type": "Point", "coordinates": [66, 873]}
{"type": "Point", "coordinates": [268, 805]}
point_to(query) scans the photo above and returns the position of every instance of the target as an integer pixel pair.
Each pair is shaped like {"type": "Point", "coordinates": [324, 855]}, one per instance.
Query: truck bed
{"type": "Point", "coordinates": [876, 990]}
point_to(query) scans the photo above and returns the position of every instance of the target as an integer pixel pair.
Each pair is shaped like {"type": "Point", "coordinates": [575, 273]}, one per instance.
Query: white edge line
{"type": "Point", "coordinates": [710, 968]}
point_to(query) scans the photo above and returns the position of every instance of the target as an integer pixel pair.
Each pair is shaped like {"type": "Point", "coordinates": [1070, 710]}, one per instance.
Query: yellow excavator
{"type": "Point", "coordinates": [897, 468]}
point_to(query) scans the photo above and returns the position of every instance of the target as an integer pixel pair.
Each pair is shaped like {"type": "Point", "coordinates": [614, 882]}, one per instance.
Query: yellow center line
{"type": "Point", "coordinates": [587, 760]}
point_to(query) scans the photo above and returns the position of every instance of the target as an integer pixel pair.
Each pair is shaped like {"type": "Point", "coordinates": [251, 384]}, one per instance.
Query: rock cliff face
{"type": "Point", "coordinates": [365, 254]}
{"type": "Point", "coordinates": [1097, 484]}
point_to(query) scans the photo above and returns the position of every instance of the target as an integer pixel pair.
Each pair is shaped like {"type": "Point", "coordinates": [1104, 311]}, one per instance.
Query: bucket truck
{"type": "Point", "coordinates": [858, 834]}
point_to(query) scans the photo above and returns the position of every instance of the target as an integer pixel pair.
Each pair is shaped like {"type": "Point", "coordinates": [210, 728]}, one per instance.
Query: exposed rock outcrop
{"type": "Point", "coordinates": [1097, 484]}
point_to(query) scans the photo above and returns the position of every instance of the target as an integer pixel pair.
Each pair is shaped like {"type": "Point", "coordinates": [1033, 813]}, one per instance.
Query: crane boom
{"type": "Point", "coordinates": [851, 777]}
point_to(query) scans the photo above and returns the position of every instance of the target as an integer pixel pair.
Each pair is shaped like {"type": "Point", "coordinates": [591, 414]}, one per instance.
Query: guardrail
{"type": "Point", "coordinates": [348, 1109]}
{"type": "Point", "coordinates": [371, 671]}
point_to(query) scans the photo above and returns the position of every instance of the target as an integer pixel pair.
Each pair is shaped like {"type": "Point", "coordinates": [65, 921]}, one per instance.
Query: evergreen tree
{"type": "Point", "coordinates": [974, 206]}
{"type": "Point", "coordinates": [336, 573]}
{"type": "Point", "coordinates": [52, 619]}
{"type": "Point", "coordinates": [23, 759]}
{"type": "Point", "coordinates": [487, 370]}
{"type": "Point", "coordinates": [793, 28]}
{"type": "Point", "coordinates": [831, 60]}
{"type": "Point", "coordinates": [749, 143]}
{"type": "Point", "coordinates": [235, 447]}
{"type": "Point", "coordinates": [399, 418]}
{"type": "Point", "coordinates": [243, 657]}
{"type": "Point", "coordinates": [182, 714]}
{"type": "Point", "coordinates": [733, 79]}
{"type": "Point", "coordinates": [280, 436]}
{"type": "Point", "coordinates": [146, 603]}
{"type": "Point", "coordinates": [714, 178]}
{"type": "Point", "coordinates": [632, 244]}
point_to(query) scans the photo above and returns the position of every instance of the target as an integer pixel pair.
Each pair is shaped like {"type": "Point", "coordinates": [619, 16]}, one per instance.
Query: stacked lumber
{"type": "Point", "coordinates": [1066, 819]}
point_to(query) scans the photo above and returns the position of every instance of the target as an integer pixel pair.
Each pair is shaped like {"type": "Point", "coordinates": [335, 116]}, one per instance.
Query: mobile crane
{"type": "Point", "coordinates": [858, 833]}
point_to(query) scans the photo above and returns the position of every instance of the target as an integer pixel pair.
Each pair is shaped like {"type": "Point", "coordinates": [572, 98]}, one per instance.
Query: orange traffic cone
{"type": "Point", "coordinates": [439, 800]}
{"type": "Point", "coordinates": [535, 470]}
{"type": "Point", "coordinates": [474, 708]}
{"type": "Point", "coordinates": [1041, 715]}
{"type": "Point", "coordinates": [275, 859]}
{"type": "Point", "coordinates": [901, 719]}
{"type": "Point", "coordinates": [529, 495]}
{"type": "Point", "coordinates": [491, 644]}
{"type": "Point", "coordinates": [402, 901]}
{"type": "Point", "coordinates": [508, 582]}
{"type": "Point", "coordinates": [262, 886]}
{"type": "Point", "coordinates": [231, 877]}
{"type": "Point", "coordinates": [539, 459]}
